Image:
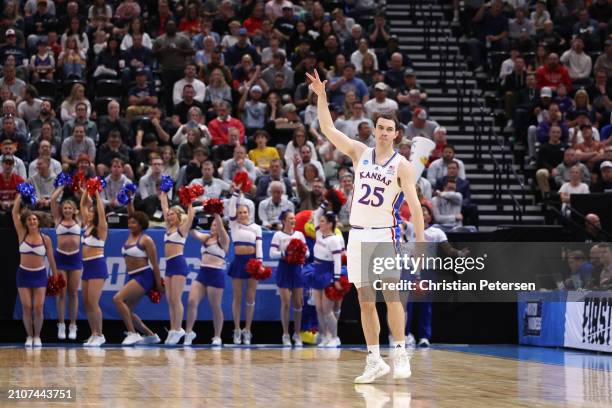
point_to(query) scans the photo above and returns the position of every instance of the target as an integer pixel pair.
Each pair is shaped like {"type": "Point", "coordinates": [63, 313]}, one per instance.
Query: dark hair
{"type": "Point", "coordinates": [331, 217]}
{"type": "Point", "coordinates": [283, 215]}
{"type": "Point", "coordinates": [262, 133]}
{"type": "Point", "coordinates": [141, 218]}
{"type": "Point", "coordinates": [450, 146]}
{"type": "Point", "coordinates": [362, 124]}
{"type": "Point", "coordinates": [95, 222]}
{"type": "Point", "coordinates": [388, 117]}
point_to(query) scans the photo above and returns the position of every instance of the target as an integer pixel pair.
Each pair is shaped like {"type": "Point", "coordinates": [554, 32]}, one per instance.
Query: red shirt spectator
{"type": "Point", "coordinates": [8, 183]}
{"type": "Point", "coordinates": [404, 210]}
{"type": "Point", "coordinates": [219, 127]}
{"type": "Point", "coordinates": [553, 74]}
{"type": "Point", "coordinates": [255, 20]}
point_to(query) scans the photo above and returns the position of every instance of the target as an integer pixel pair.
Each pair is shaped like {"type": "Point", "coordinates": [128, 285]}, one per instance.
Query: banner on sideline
{"type": "Point", "coordinates": [267, 301]}
{"type": "Point", "coordinates": [588, 323]}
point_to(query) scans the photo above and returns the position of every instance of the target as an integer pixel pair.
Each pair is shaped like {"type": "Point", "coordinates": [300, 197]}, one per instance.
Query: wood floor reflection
{"type": "Point", "coordinates": [250, 377]}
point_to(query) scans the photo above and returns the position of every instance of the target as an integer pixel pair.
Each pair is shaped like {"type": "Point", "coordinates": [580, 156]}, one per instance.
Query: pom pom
{"type": "Point", "coordinates": [55, 284]}
{"type": "Point", "coordinates": [343, 259]}
{"type": "Point", "coordinates": [63, 179]}
{"type": "Point", "coordinates": [187, 195]}
{"type": "Point", "coordinates": [154, 295]}
{"type": "Point", "coordinates": [213, 206]}
{"type": "Point", "coordinates": [131, 187]}
{"type": "Point", "coordinates": [242, 179]}
{"type": "Point", "coordinates": [255, 268]}
{"type": "Point", "coordinates": [166, 183]}
{"type": "Point", "coordinates": [197, 189]}
{"type": "Point", "coordinates": [28, 193]}
{"type": "Point", "coordinates": [122, 197]}
{"type": "Point", "coordinates": [95, 184]}
{"type": "Point", "coordinates": [334, 294]}
{"type": "Point", "coordinates": [296, 252]}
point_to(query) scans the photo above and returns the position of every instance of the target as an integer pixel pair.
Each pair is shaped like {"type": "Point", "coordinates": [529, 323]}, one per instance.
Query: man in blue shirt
{"type": "Point", "coordinates": [347, 82]}
{"type": "Point", "coordinates": [491, 33]}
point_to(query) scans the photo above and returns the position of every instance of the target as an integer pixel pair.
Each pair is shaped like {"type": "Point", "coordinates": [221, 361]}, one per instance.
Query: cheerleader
{"type": "Point", "coordinates": [142, 275]}
{"type": "Point", "coordinates": [288, 277]}
{"type": "Point", "coordinates": [32, 274]}
{"type": "Point", "coordinates": [177, 228]}
{"type": "Point", "coordinates": [210, 280]}
{"type": "Point", "coordinates": [247, 245]}
{"type": "Point", "coordinates": [68, 258]}
{"type": "Point", "coordinates": [95, 272]}
{"type": "Point", "coordinates": [327, 269]}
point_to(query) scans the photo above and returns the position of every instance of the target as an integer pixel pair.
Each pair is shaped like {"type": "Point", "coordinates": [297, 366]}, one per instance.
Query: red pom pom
{"type": "Point", "coordinates": [341, 198]}
{"type": "Point", "coordinates": [154, 296]}
{"type": "Point", "coordinates": [213, 206]}
{"type": "Point", "coordinates": [242, 179]}
{"type": "Point", "coordinates": [343, 259]}
{"type": "Point", "coordinates": [197, 190]}
{"type": "Point", "coordinates": [93, 185]}
{"type": "Point", "coordinates": [334, 294]}
{"type": "Point", "coordinates": [77, 181]}
{"type": "Point", "coordinates": [296, 252]}
{"type": "Point", "coordinates": [55, 284]}
{"type": "Point", "coordinates": [256, 270]}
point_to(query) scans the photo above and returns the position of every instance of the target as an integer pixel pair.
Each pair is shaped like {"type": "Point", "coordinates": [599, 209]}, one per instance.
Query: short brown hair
{"type": "Point", "coordinates": [388, 117]}
{"type": "Point", "coordinates": [141, 218]}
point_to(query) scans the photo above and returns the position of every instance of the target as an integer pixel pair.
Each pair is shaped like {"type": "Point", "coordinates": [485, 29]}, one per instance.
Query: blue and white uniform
{"type": "Point", "coordinates": [288, 275]}
{"type": "Point", "coordinates": [94, 267]}
{"type": "Point", "coordinates": [32, 278]}
{"type": "Point", "coordinates": [374, 215]}
{"type": "Point", "coordinates": [212, 274]}
{"type": "Point", "coordinates": [176, 265]}
{"type": "Point", "coordinates": [143, 276]}
{"type": "Point", "coordinates": [243, 235]}
{"type": "Point", "coordinates": [68, 261]}
{"type": "Point", "coordinates": [327, 256]}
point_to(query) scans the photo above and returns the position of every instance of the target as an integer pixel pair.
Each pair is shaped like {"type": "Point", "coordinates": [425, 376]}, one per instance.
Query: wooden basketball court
{"type": "Point", "coordinates": [275, 377]}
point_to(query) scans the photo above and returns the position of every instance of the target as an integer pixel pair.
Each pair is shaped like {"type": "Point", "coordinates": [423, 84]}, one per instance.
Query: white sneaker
{"type": "Point", "coordinates": [286, 340]}
{"type": "Point", "coordinates": [72, 332]}
{"type": "Point", "coordinates": [36, 342]}
{"type": "Point", "coordinates": [131, 339]}
{"type": "Point", "coordinates": [86, 344]}
{"type": "Point", "coordinates": [410, 341]}
{"type": "Point", "coordinates": [169, 336]}
{"type": "Point", "coordinates": [175, 336]}
{"type": "Point", "coordinates": [61, 331]}
{"type": "Point", "coordinates": [189, 337]}
{"type": "Point", "coordinates": [237, 336]}
{"type": "Point", "coordinates": [297, 340]}
{"type": "Point", "coordinates": [324, 341]}
{"type": "Point", "coordinates": [216, 342]}
{"type": "Point", "coordinates": [153, 339]}
{"type": "Point", "coordinates": [334, 342]}
{"type": "Point", "coordinates": [97, 341]}
{"type": "Point", "coordinates": [375, 368]}
{"type": "Point", "coordinates": [401, 365]}
{"type": "Point", "coordinates": [28, 342]}
{"type": "Point", "coordinates": [424, 343]}
{"type": "Point", "coordinates": [246, 337]}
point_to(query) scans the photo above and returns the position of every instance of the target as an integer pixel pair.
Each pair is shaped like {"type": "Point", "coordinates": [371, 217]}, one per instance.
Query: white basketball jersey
{"type": "Point", "coordinates": [377, 195]}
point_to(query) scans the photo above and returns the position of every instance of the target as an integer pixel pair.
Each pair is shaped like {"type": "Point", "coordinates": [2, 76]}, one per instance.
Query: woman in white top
{"type": "Point", "coordinates": [95, 271]}
{"type": "Point", "coordinates": [293, 147]}
{"type": "Point", "coordinates": [210, 280]}
{"type": "Point", "coordinates": [573, 186]}
{"type": "Point", "coordinates": [177, 229]}
{"type": "Point", "coordinates": [68, 107]}
{"type": "Point", "coordinates": [136, 28]}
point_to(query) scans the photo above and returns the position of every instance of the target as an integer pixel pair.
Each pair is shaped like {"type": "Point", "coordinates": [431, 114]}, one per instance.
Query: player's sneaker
{"type": "Point", "coordinates": [216, 342]}
{"type": "Point", "coordinates": [297, 340]}
{"type": "Point", "coordinates": [152, 339]}
{"type": "Point", "coordinates": [36, 342]}
{"type": "Point", "coordinates": [375, 368]}
{"type": "Point", "coordinates": [86, 344]}
{"type": "Point", "coordinates": [189, 337]}
{"type": "Point", "coordinates": [28, 342]}
{"type": "Point", "coordinates": [97, 341]}
{"type": "Point", "coordinates": [410, 341]}
{"type": "Point", "coordinates": [424, 343]}
{"type": "Point", "coordinates": [61, 331]}
{"type": "Point", "coordinates": [246, 337]}
{"type": "Point", "coordinates": [72, 332]}
{"type": "Point", "coordinates": [237, 336]}
{"type": "Point", "coordinates": [324, 341]}
{"type": "Point", "coordinates": [286, 340]}
{"type": "Point", "coordinates": [131, 339]}
{"type": "Point", "coordinates": [401, 365]}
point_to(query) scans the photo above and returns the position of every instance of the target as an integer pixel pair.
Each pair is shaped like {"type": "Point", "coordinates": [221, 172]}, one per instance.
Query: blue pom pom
{"type": "Point", "coordinates": [123, 198]}
{"type": "Point", "coordinates": [63, 179]}
{"type": "Point", "coordinates": [131, 187]}
{"type": "Point", "coordinates": [166, 184]}
{"type": "Point", "coordinates": [102, 182]}
{"type": "Point", "coordinates": [28, 193]}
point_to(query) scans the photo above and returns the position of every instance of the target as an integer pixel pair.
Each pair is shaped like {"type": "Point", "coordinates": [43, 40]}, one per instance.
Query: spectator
{"type": "Point", "coordinates": [600, 93]}
{"type": "Point", "coordinates": [592, 229]}
{"type": "Point", "coordinates": [110, 61]}
{"type": "Point", "coordinates": [587, 29]}
{"type": "Point", "coordinates": [219, 127]}
{"type": "Point", "coordinates": [492, 32]}
{"type": "Point", "coordinates": [112, 149]}
{"type": "Point", "coordinates": [573, 186]}
{"type": "Point", "coordinates": [327, 56]}
{"type": "Point", "coordinates": [420, 125]}
{"type": "Point", "coordinates": [253, 110]}
{"type": "Point", "coordinates": [274, 8]}
{"type": "Point", "coordinates": [8, 183]}
{"type": "Point", "coordinates": [159, 20]}
{"type": "Point", "coordinates": [580, 271]}
{"type": "Point", "coordinates": [136, 29]}
{"type": "Point", "coordinates": [380, 104]}
{"type": "Point", "coordinates": [188, 101]}
{"type": "Point", "coordinates": [604, 185]}
{"type": "Point", "coordinates": [358, 55]}
{"type": "Point", "coordinates": [195, 121]}
{"type": "Point", "coordinates": [439, 168]}
{"type": "Point", "coordinates": [43, 150]}
{"type": "Point", "coordinates": [213, 187]}
{"type": "Point", "coordinates": [310, 197]}
{"type": "Point", "coordinates": [10, 132]}
{"type": "Point", "coordinates": [190, 23]}
{"type": "Point", "coordinates": [29, 108]}
{"type": "Point", "coordinates": [254, 22]}
{"type": "Point", "coordinates": [186, 149]}
{"type": "Point", "coordinates": [68, 107]}
{"type": "Point", "coordinates": [364, 135]}
{"type": "Point", "coordinates": [561, 173]}
{"type": "Point", "coordinates": [12, 49]}
{"type": "Point", "coordinates": [507, 66]}
{"type": "Point", "coordinates": [42, 64]}
{"type": "Point", "coordinates": [156, 127]}
{"type": "Point", "coordinates": [91, 129]}
{"type": "Point", "coordinates": [604, 61]}
{"type": "Point", "coordinates": [218, 90]}
{"type": "Point", "coordinates": [549, 39]}
{"type": "Point", "coordinates": [190, 78]}
{"type": "Point", "coordinates": [540, 15]}
{"type": "Point", "coordinates": [137, 57]}
{"type": "Point", "coordinates": [270, 209]}
{"type": "Point", "coordinates": [231, 38]}
{"type": "Point", "coordinates": [72, 60]}
{"type": "Point", "coordinates": [581, 117]}
{"type": "Point", "coordinates": [40, 22]}
{"type": "Point", "coordinates": [540, 133]}
{"type": "Point", "coordinates": [350, 125]}
{"type": "Point", "coordinates": [9, 108]}
{"type": "Point", "coordinates": [8, 148]}
{"type": "Point", "coordinates": [578, 63]}
{"type": "Point", "coordinates": [285, 25]}
{"type": "Point", "coordinates": [77, 145]}
{"type": "Point", "coordinates": [468, 208]}
{"type": "Point", "coordinates": [239, 162]}
{"type": "Point", "coordinates": [550, 156]}
{"type": "Point", "coordinates": [350, 44]}
{"type": "Point", "coordinates": [147, 199]}
{"type": "Point", "coordinates": [43, 183]}
{"type": "Point", "coordinates": [298, 164]}
{"type": "Point", "coordinates": [347, 82]}
{"type": "Point", "coordinates": [447, 207]}
{"type": "Point", "coordinates": [113, 121]}
{"type": "Point", "coordinates": [439, 138]}
{"type": "Point", "coordinates": [605, 255]}
{"type": "Point", "coordinates": [342, 25]}
{"type": "Point", "coordinates": [115, 181]}
{"type": "Point", "coordinates": [589, 151]}
{"type": "Point", "coordinates": [521, 30]}
{"type": "Point", "coordinates": [391, 48]}
{"type": "Point", "coordinates": [394, 76]}
{"type": "Point", "coordinates": [379, 32]}
{"type": "Point", "coordinates": [275, 173]}
{"type": "Point", "coordinates": [142, 97]}
{"type": "Point", "coordinates": [262, 154]}
{"type": "Point", "coordinates": [278, 66]}
{"type": "Point", "coordinates": [552, 74]}
{"type": "Point", "coordinates": [16, 85]}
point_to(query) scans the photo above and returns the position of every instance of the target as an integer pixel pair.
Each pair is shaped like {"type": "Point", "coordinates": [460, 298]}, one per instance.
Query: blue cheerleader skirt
{"type": "Point", "coordinates": [237, 269]}
{"type": "Point", "coordinates": [289, 276]}
{"type": "Point", "coordinates": [71, 262]}
{"type": "Point", "coordinates": [213, 277]}
{"type": "Point", "coordinates": [144, 278]}
{"type": "Point", "coordinates": [31, 279]}
{"type": "Point", "coordinates": [177, 265]}
{"type": "Point", "coordinates": [95, 269]}
{"type": "Point", "coordinates": [323, 274]}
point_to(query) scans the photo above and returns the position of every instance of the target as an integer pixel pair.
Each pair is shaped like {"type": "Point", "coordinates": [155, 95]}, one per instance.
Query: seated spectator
{"type": "Point", "coordinates": [190, 78]}
{"type": "Point", "coordinates": [439, 168]}
{"type": "Point", "coordinates": [521, 30]}
{"type": "Point", "coordinates": [439, 137]}
{"type": "Point", "coordinates": [278, 66]}
{"type": "Point", "coordinates": [275, 173]}
{"type": "Point", "coordinates": [219, 127]}
{"type": "Point", "coordinates": [540, 133]}
{"type": "Point", "coordinates": [550, 39]}
{"type": "Point", "coordinates": [298, 164]}
{"type": "Point", "coordinates": [142, 97]}
{"type": "Point", "coordinates": [44, 148]}
{"type": "Point", "coordinates": [76, 145]}
{"type": "Point", "coordinates": [10, 80]}
{"type": "Point", "coordinates": [72, 61]}
{"type": "Point", "coordinates": [113, 121]}
{"type": "Point", "coordinates": [552, 74]}
{"type": "Point", "coordinates": [115, 181]}
{"type": "Point", "coordinates": [153, 126]}
{"type": "Point", "coordinates": [561, 173]}
{"type": "Point", "coordinates": [573, 186]}
{"type": "Point", "coordinates": [112, 149]}
{"type": "Point", "coordinates": [253, 110]}
{"type": "Point", "coordinates": [549, 157]}
{"type": "Point", "coordinates": [420, 125]}
{"type": "Point", "coordinates": [147, 199]}
{"type": "Point", "coordinates": [195, 121]}
{"type": "Point", "coordinates": [213, 186]}
{"type": "Point", "coordinates": [9, 132]}
{"type": "Point", "coordinates": [91, 129]}
{"type": "Point", "coordinates": [605, 255]}
{"type": "Point", "coordinates": [507, 66]}
{"type": "Point", "coordinates": [604, 185]}
{"type": "Point", "coordinates": [137, 57]}
{"type": "Point", "coordinates": [193, 169]}
{"type": "Point", "coordinates": [589, 151]}
{"type": "Point", "coordinates": [310, 196]}
{"type": "Point", "coordinates": [446, 206]}
{"type": "Point", "coordinates": [43, 183]}
{"type": "Point", "coordinates": [218, 90]}
{"type": "Point", "coordinates": [364, 135]}
{"type": "Point", "coordinates": [46, 114]}
{"type": "Point", "coordinates": [190, 23]}
{"type": "Point", "coordinates": [242, 47]}
{"type": "Point", "coordinates": [186, 149]}
{"type": "Point", "coordinates": [580, 271]}
{"type": "Point", "coordinates": [512, 84]}
{"type": "Point", "coordinates": [563, 100]}
{"type": "Point", "coordinates": [232, 36]}
{"type": "Point", "coordinates": [345, 83]}
{"type": "Point", "coordinates": [351, 43]}
{"type": "Point", "coordinates": [42, 64]}
{"type": "Point", "coordinates": [188, 102]}
{"type": "Point", "coordinates": [578, 63]}
{"type": "Point", "coordinates": [8, 184]}
{"type": "Point", "coordinates": [8, 149]}
{"type": "Point", "coordinates": [587, 29]}
{"type": "Point", "coordinates": [239, 162]}
{"type": "Point", "coordinates": [378, 34]}
{"type": "Point", "coordinates": [380, 104]}
{"type": "Point", "coordinates": [540, 15]}
{"type": "Point", "coordinates": [39, 22]}
{"type": "Point", "coordinates": [342, 25]}
{"type": "Point", "coordinates": [110, 61]}
{"type": "Point", "coordinates": [68, 107]}
{"type": "Point", "coordinates": [136, 29]}
{"type": "Point", "coordinates": [270, 209]}
{"type": "Point", "coordinates": [262, 154]}
{"type": "Point", "coordinates": [358, 55]}
{"type": "Point", "coordinates": [293, 147]}
{"type": "Point", "coordinates": [9, 108]}
{"type": "Point", "coordinates": [492, 32]}
{"type": "Point", "coordinates": [29, 107]}
{"type": "Point", "coordinates": [349, 125]}
{"type": "Point", "coordinates": [604, 61]}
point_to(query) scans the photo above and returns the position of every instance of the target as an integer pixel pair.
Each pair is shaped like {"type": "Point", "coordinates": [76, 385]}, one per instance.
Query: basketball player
{"type": "Point", "coordinates": [383, 178]}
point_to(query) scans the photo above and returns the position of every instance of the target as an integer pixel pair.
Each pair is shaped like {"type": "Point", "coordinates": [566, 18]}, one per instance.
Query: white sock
{"type": "Point", "coordinates": [374, 351]}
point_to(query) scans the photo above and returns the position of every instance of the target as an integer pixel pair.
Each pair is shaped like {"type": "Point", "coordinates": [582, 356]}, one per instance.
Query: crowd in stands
{"type": "Point", "coordinates": [553, 64]}
{"type": "Point", "coordinates": [202, 89]}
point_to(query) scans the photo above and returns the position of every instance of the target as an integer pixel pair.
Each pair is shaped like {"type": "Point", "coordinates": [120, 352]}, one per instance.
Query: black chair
{"type": "Point", "coordinates": [109, 88]}
{"type": "Point", "coordinates": [46, 88]}
{"type": "Point", "coordinates": [101, 105]}
{"type": "Point", "coordinates": [68, 84]}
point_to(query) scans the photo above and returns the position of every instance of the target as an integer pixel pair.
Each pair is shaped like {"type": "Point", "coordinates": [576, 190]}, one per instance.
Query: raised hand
{"type": "Point", "coordinates": [316, 85]}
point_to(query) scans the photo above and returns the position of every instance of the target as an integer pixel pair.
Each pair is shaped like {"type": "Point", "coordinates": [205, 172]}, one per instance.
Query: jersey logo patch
{"type": "Point", "coordinates": [390, 170]}
{"type": "Point", "coordinates": [365, 162]}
